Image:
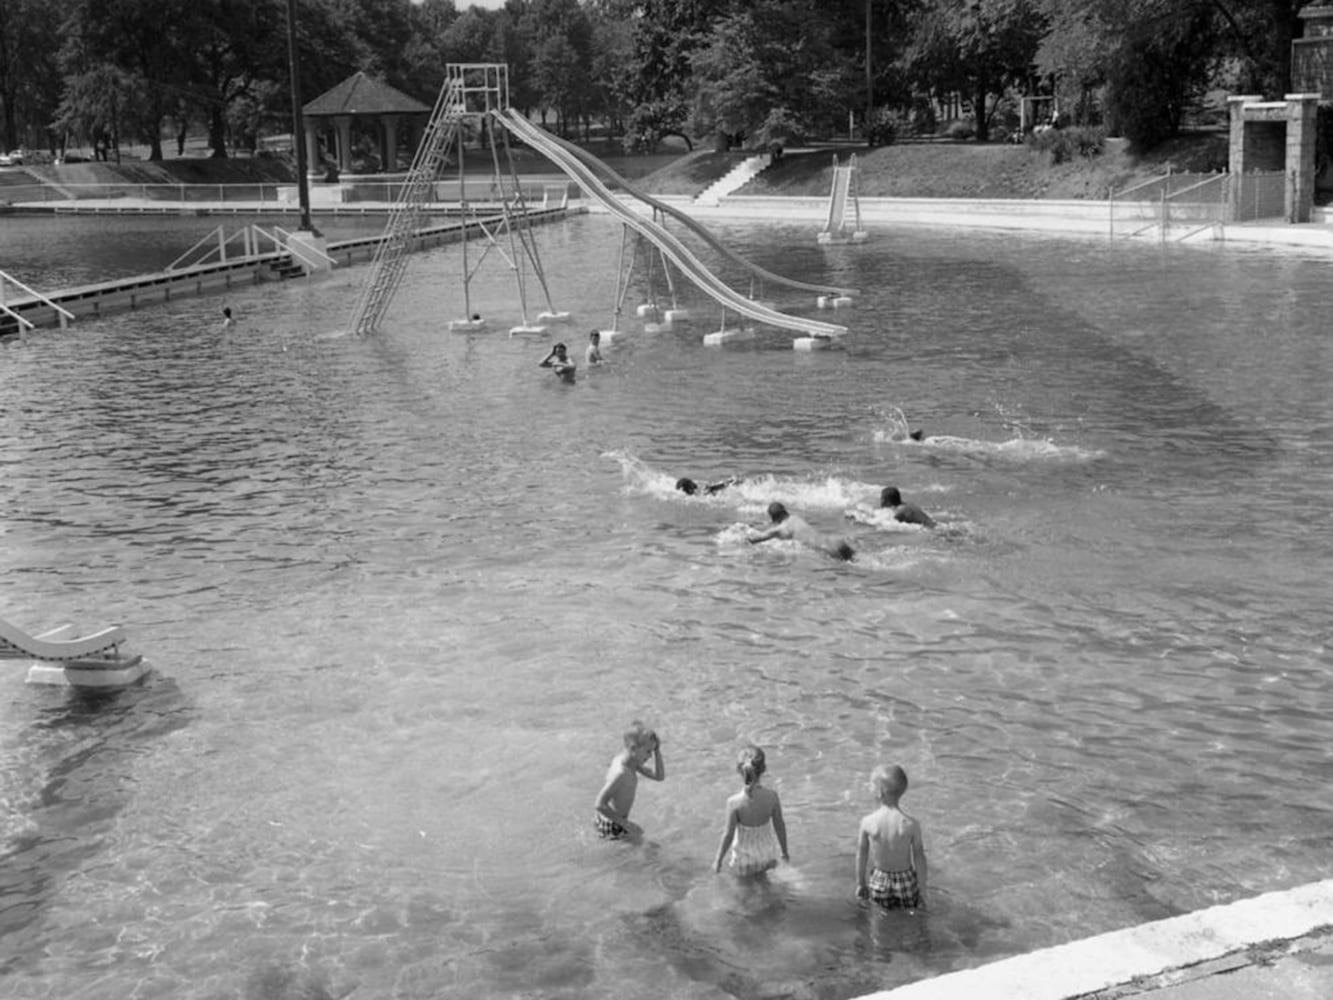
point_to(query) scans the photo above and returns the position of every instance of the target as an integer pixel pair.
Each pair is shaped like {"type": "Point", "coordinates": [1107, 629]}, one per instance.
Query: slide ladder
{"type": "Point", "coordinates": [839, 228]}
{"type": "Point", "coordinates": [409, 209]}
{"type": "Point", "coordinates": [680, 255]}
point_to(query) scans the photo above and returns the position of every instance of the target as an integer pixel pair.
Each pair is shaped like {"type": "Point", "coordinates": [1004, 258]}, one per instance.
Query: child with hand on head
{"type": "Point", "coordinates": [891, 841]}
{"type": "Point", "coordinates": [616, 799]}
{"type": "Point", "coordinates": [755, 831]}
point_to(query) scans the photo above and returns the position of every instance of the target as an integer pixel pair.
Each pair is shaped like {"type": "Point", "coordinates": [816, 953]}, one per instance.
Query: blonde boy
{"type": "Point", "coordinates": [891, 842]}
{"type": "Point", "coordinates": [616, 799]}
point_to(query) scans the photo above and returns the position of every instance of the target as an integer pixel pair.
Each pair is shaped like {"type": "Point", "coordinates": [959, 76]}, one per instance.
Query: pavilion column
{"type": "Point", "coordinates": [390, 143]}
{"type": "Point", "coordinates": [312, 157]}
{"type": "Point", "coordinates": [343, 123]}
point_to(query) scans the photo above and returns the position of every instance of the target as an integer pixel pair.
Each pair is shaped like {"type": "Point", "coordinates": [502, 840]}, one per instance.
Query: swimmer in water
{"type": "Point", "coordinates": [558, 361]}
{"type": "Point", "coordinates": [593, 354]}
{"type": "Point", "coordinates": [227, 319]}
{"type": "Point", "coordinates": [689, 487]}
{"type": "Point", "coordinates": [903, 512]}
{"type": "Point", "coordinates": [788, 526]}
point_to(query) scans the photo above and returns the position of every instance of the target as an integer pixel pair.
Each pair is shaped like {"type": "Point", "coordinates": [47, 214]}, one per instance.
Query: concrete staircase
{"type": "Point", "coordinates": [736, 178]}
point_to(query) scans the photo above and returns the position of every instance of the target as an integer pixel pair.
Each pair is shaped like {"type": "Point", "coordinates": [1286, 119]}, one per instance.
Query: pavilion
{"type": "Point", "coordinates": [362, 102]}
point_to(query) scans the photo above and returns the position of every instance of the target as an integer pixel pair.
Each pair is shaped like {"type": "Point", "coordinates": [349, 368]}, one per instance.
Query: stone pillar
{"type": "Point", "coordinates": [343, 123]}
{"type": "Point", "coordinates": [1301, 112]}
{"type": "Point", "coordinates": [1236, 164]}
{"type": "Point", "coordinates": [390, 144]}
{"type": "Point", "coordinates": [311, 149]}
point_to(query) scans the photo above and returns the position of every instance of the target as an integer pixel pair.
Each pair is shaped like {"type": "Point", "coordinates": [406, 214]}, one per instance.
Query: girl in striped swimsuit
{"type": "Point", "coordinates": [755, 833]}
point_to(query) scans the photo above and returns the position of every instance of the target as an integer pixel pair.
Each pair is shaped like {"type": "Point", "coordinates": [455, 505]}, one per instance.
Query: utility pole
{"type": "Point", "coordinates": [298, 120]}
{"type": "Point", "coordinates": [870, 86]}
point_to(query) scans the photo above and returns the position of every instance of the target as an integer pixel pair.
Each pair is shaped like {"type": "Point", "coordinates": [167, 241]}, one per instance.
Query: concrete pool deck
{"type": "Point", "coordinates": [1277, 945]}
{"type": "Point", "coordinates": [1092, 218]}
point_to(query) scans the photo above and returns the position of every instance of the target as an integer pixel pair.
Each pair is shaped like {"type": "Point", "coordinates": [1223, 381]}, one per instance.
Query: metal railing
{"type": "Point", "coordinates": [1180, 205]}
{"type": "Point", "coordinates": [279, 197]}
{"type": "Point", "coordinates": [8, 279]}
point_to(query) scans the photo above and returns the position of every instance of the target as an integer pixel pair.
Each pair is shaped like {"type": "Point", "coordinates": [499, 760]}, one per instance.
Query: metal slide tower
{"type": "Point", "coordinates": [469, 90]}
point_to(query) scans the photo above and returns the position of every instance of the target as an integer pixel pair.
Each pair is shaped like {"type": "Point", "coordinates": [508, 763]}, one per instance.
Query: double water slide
{"type": "Point", "coordinates": [689, 265]}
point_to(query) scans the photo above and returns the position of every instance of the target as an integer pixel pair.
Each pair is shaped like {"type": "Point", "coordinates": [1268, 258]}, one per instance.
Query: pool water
{"type": "Point", "coordinates": [403, 593]}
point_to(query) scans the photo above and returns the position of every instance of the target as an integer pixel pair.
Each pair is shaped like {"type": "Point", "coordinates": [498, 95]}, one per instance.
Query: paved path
{"type": "Point", "coordinates": [1276, 945]}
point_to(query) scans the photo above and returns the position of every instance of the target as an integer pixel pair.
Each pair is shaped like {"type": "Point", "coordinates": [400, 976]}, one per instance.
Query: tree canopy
{"type": "Point", "coordinates": [107, 71]}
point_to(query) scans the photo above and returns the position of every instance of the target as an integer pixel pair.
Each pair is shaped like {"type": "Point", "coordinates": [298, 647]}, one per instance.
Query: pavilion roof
{"type": "Point", "coordinates": [360, 94]}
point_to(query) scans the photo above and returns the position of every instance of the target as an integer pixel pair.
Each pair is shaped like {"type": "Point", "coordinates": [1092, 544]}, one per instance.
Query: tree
{"type": "Point", "coordinates": [665, 38]}
{"type": "Point", "coordinates": [29, 74]}
{"type": "Point", "coordinates": [977, 47]}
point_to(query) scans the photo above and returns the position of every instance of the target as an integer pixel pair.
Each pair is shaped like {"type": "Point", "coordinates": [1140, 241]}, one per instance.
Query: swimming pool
{"type": "Point", "coordinates": [403, 593]}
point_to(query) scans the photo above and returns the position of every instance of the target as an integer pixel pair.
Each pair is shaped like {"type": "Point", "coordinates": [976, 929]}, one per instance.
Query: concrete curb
{"type": "Point", "coordinates": [1097, 964]}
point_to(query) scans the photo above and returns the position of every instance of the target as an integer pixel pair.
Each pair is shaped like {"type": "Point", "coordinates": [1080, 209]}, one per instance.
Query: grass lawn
{"type": "Point", "coordinates": [944, 169]}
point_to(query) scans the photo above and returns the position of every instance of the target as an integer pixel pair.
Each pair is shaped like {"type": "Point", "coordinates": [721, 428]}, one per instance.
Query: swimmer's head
{"type": "Point", "coordinates": [917, 435]}
{"type": "Point", "coordinates": [638, 738]}
{"type": "Point", "coordinates": [595, 337]}
{"type": "Point", "coordinates": [687, 486]}
{"type": "Point", "coordinates": [777, 513]}
{"type": "Point", "coordinates": [889, 783]}
{"type": "Point", "coordinates": [890, 497]}
{"type": "Point", "coordinates": [226, 311]}
{"type": "Point", "coordinates": [750, 764]}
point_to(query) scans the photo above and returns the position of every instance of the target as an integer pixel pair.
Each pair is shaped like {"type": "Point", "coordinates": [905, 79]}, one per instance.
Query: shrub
{"type": "Point", "coordinates": [1064, 144]}
{"type": "Point", "coordinates": [959, 130]}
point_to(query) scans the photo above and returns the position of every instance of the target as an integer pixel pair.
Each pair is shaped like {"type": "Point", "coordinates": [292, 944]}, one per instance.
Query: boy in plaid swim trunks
{"type": "Point", "coordinates": [890, 843]}
{"type": "Point", "coordinates": [611, 810]}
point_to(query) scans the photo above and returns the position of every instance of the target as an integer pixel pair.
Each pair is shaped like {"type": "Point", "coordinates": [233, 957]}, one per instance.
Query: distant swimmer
{"type": "Point", "coordinates": [558, 361]}
{"type": "Point", "coordinates": [789, 526]}
{"type": "Point", "coordinates": [593, 355]}
{"type": "Point", "coordinates": [227, 319]}
{"type": "Point", "coordinates": [906, 513]}
{"type": "Point", "coordinates": [689, 487]}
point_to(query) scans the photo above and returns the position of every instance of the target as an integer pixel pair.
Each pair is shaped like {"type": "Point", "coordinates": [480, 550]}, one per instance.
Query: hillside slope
{"type": "Point", "coordinates": [941, 169]}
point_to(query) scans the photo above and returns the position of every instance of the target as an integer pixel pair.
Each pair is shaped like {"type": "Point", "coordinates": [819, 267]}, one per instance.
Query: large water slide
{"type": "Point", "coordinates": [666, 241]}
{"type": "Point", "coordinates": [694, 225]}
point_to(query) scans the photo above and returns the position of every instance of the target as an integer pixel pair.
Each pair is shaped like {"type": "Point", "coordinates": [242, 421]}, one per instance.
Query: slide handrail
{"type": "Point", "coordinates": [6, 278]}
{"type": "Point", "coordinates": [14, 642]}
{"type": "Point", "coordinates": [837, 205]}
{"type": "Point", "coordinates": [693, 224]}
{"type": "Point", "coordinates": [666, 241]}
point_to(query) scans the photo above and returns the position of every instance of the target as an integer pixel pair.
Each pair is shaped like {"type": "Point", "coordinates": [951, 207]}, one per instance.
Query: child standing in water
{"type": "Point", "coordinates": [755, 832]}
{"type": "Point", "coordinates": [891, 840]}
{"type": "Point", "coordinates": [616, 799]}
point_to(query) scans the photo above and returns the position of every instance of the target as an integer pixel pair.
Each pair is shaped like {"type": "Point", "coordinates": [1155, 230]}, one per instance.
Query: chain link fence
{"type": "Point", "coordinates": [1175, 206]}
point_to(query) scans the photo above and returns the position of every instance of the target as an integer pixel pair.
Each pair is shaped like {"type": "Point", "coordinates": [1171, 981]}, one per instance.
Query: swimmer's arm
{"type": "Point", "coordinates": [862, 856]}
{"type": "Point", "coordinates": [780, 828]}
{"type": "Point", "coordinates": [727, 835]}
{"type": "Point", "coordinates": [919, 862]}
{"type": "Point", "coordinates": [754, 535]}
{"type": "Point", "coordinates": [658, 773]}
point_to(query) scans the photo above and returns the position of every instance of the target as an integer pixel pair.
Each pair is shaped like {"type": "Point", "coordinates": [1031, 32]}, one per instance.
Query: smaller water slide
{"type": "Point", "coordinates": [666, 241]}
{"type": "Point", "coordinates": [837, 203]}
{"type": "Point", "coordinates": [697, 227]}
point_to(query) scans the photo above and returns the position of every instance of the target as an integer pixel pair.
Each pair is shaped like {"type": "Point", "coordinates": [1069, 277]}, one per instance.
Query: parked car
{"type": "Point", "coordinates": [14, 158]}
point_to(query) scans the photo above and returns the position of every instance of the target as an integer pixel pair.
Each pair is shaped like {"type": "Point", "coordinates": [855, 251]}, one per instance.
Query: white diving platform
{"type": "Point", "coordinates": [729, 335]}
{"type": "Point", "coordinates": [467, 324]}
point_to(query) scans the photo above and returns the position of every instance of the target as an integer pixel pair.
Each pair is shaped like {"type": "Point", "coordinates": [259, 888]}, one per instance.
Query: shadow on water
{"type": "Point", "coordinates": [66, 774]}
